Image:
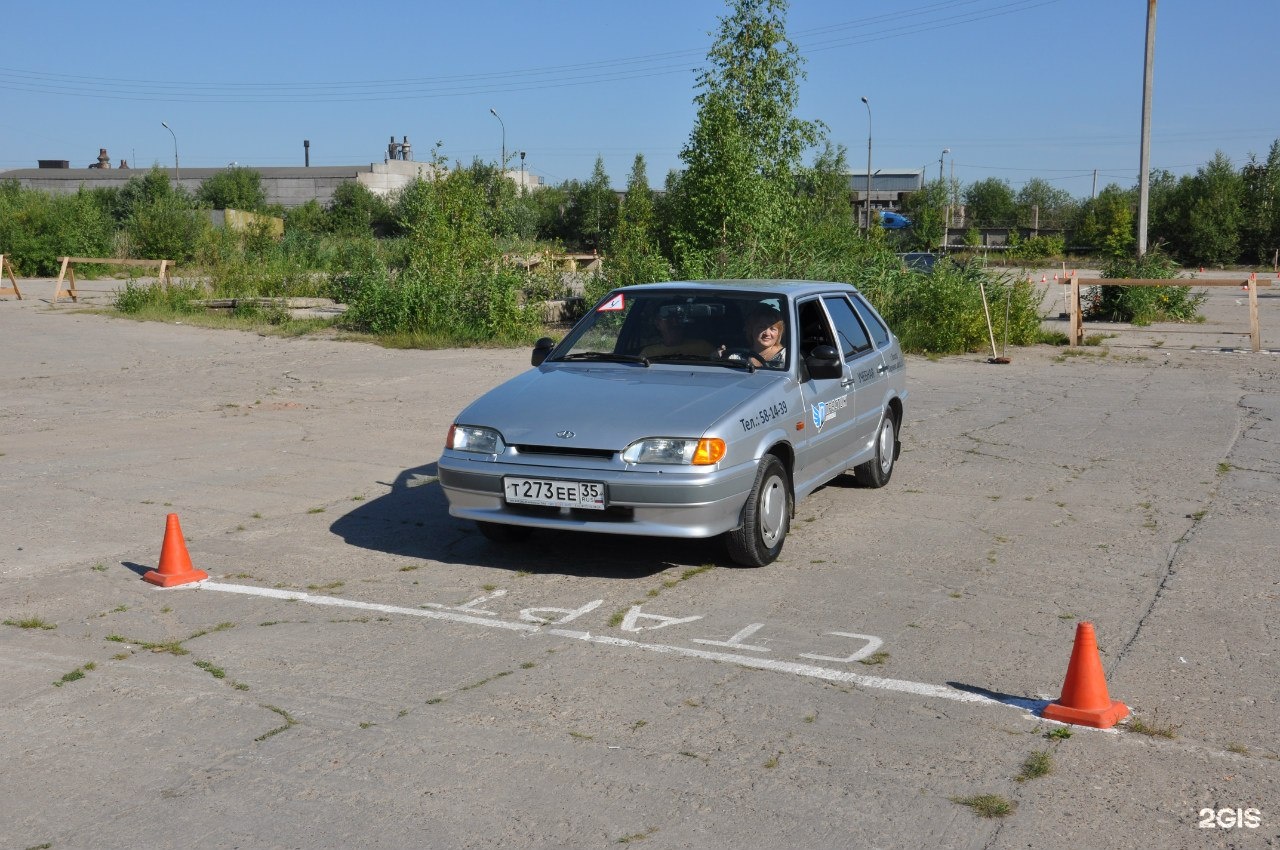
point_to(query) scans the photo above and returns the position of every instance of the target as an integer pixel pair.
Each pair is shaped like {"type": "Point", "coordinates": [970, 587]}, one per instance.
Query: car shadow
{"type": "Point", "coordinates": [412, 519]}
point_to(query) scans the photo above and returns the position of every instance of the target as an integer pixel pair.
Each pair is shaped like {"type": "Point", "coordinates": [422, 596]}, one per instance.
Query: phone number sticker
{"type": "Point", "coordinates": [764, 416]}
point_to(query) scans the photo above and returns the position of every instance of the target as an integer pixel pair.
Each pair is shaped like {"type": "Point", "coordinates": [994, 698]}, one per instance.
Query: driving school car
{"type": "Point", "coordinates": [659, 415]}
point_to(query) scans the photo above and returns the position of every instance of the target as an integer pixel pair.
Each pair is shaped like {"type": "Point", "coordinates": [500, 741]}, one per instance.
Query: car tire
{"type": "Point", "coordinates": [766, 519]}
{"type": "Point", "coordinates": [877, 471]}
{"type": "Point", "coordinates": [500, 533]}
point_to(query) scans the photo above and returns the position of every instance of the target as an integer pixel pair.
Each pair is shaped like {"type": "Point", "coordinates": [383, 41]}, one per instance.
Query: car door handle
{"type": "Point", "coordinates": [882, 368]}
{"type": "Point", "coordinates": [848, 382]}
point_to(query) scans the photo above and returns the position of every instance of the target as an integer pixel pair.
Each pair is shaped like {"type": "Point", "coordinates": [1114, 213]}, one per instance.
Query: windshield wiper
{"type": "Point", "coordinates": [684, 358]}
{"type": "Point", "coordinates": [605, 356]}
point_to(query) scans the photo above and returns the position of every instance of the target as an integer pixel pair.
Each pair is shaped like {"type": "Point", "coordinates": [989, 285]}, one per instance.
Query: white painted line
{"type": "Point", "coordinates": [808, 670]}
{"type": "Point", "coordinates": [312, 599]}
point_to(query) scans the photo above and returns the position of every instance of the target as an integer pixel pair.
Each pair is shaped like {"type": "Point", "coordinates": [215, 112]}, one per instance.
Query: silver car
{"type": "Point", "coordinates": [685, 410]}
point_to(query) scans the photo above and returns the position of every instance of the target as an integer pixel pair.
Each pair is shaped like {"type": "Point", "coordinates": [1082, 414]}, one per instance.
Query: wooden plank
{"type": "Point", "coordinates": [111, 261]}
{"type": "Point", "coordinates": [1177, 281]}
{"type": "Point", "coordinates": [9, 290]}
{"type": "Point", "coordinates": [1251, 283]}
{"type": "Point", "coordinates": [62, 273]}
{"type": "Point", "coordinates": [1255, 330]}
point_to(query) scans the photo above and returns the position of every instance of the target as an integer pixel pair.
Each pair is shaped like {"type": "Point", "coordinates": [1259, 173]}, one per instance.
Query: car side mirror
{"type": "Point", "coordinates": [823, 362]}
{"type": "Point", "coordinates": [541, 349]}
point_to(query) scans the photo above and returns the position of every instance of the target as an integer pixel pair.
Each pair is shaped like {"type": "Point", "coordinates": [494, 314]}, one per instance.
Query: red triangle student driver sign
{"type": "Point", "coordinates": [612, 305]}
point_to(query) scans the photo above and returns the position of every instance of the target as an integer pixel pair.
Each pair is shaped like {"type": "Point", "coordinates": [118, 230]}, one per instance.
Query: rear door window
{"type": "Point", "coordinates": [853, 337]}
{"type": "Point", "coordinates": [878, 331]}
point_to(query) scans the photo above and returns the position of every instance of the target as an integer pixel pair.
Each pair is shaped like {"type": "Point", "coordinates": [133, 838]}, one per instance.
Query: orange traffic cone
{"type": "Point", "coordinates": [175, 564]}
{"type": "Point", "coordinates": [1084, 699]}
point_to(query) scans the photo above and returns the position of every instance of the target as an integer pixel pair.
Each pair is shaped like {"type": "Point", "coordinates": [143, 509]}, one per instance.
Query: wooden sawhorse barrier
{"type": "Point", "coordinates": [6, 266]}
{"type": "Point", "coordinates": [68, 273]}
{"type": "Point", "coordinates": [1075, 316]}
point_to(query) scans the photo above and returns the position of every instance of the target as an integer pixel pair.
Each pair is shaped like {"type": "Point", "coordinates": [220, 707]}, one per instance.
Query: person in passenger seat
{"type": "Point", "coordinates": [670, 323]}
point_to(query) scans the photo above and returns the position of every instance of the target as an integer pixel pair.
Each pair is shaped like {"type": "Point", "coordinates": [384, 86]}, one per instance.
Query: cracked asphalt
{"type": "Point", "coordinates": [370, 671]}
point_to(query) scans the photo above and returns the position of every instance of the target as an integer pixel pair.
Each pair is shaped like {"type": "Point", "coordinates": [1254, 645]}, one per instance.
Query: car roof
{"type": "Point", "coordinates": [793, 288]}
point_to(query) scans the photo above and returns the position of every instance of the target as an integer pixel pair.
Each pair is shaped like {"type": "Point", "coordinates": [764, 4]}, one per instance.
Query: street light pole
{"type": "Point", "coordinates": [521, 172]}
{"type": "Point", "coordinates": [867, 103]}
{"type": "Point", "coordinates": [946, 216]}
{"type": "Point", "coordinates": [177, 175]}
{"type": "Point", "coordinates": [494, 113]}
{"type": "Point", "coordinates": [1144, 148]}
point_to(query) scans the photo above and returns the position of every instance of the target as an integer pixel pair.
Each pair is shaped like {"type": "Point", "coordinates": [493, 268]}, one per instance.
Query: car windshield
{"type": "Point", "coordinates": [740, 330]}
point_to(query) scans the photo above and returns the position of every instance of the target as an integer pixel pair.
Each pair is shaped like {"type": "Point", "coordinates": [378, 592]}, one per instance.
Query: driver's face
{"type": "Point", "coordinates": [767, 336]}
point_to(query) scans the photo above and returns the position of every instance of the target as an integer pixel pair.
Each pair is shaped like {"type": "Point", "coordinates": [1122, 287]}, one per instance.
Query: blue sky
{"type": "Point", "coordinates": [1015, 88]}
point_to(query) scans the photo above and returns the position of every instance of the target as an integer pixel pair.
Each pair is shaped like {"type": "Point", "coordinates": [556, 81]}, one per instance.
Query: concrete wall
{"type": "Point", "coordinates": [289, 187]}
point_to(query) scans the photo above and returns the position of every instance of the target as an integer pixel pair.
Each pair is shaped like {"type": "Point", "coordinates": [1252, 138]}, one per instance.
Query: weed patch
{"type": "Point", "coordinates": [31, 623]}
{"type": "Point", "coordinates": [987, 805]}
{"type": "Point", "coordinates": [1037, 764]}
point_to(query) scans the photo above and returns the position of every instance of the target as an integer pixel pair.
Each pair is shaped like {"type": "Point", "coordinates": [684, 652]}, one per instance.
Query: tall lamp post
{"type": "Point", "coordinates": [177, 175]}
{"type": "Point", "coordinates": [946, 215]}
{"type": "Point", "coordinates": [867, 103]}
{"type": "Point", "coordinates": [495, 114]}
{"type": "Point", "coordinates": [521, 172]}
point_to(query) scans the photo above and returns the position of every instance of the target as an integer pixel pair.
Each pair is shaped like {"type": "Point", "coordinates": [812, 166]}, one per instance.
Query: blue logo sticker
{"type": "Point", "coordinates": [819, 414]}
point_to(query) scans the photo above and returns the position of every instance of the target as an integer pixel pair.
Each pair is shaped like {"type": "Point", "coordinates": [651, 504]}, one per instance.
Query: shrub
{"type": "Point", "coordinates": [1142, 305]}
{"type": "Point", "coordinates": [37, 228]}
{"type": "Point", "coordinates": [1035, 248]}
{"type": "Point", "coordinates": [137, 298]}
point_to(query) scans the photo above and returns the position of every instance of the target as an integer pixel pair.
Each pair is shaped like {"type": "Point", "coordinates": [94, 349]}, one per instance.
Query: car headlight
{"type": "Point", "coordinates": [473, 438]}
{"type": "Point", "coordinates": [704, 452]}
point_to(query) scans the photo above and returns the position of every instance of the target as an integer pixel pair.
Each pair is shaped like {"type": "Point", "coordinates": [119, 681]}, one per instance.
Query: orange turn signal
{"type": "Point", "coordinates": [709, 451]}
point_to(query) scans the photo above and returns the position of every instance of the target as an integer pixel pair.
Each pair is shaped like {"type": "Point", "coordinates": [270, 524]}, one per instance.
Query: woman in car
{"type": "Point", "coordinates": [765, 328]}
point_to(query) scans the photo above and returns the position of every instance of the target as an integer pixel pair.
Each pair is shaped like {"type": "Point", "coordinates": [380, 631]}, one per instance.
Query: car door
{"type": "Point", "coordinates": [864, 374]}
{"type": "Point", "coordinates": [830, 423]}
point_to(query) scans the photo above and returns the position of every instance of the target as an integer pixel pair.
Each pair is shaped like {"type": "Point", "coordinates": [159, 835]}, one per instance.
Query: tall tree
{"type": "Point", "coordinates": [1055, 206]}
{"type": "Point", "coordinates": [634, 255]}
{"type": "Point", "coordinates": [1260, 232]}
{"type": "Point", "coordinates": [593, 210]}
{"type": "Point", "coordinates": [1216, 213]}
{"type": "Point", "coordinates": [1106, 220]}
{"type": "Point", "coordinates": [745, 148]}
{"type": "Point", "coordinates": [989, 203]}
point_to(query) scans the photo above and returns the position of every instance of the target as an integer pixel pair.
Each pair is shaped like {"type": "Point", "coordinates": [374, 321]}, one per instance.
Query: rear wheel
{"type": "Point", "coordinates": [765, 519]}
{"type": "Point", "coordinates": [499, 533]}
{"type": "Point", "coordinates": [877, 471]}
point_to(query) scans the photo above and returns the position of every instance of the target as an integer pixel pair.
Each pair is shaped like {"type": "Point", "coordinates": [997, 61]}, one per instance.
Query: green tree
{"type": "Point", "coordinates": [355, 211]}
{"type": "Point", "coordinates": [1055, 206]}
{"type": "Point", "coordinates": [634, 256]}
{"type": "Point", "coordinates": [824, 186]}
{"type": "Point", "coordinates": [1216, 213]}
{"type": "Point", "coordinates": [36, 228]}
{"type": "Point", "coordinates": [927, 209]}
{"type": "Point", "coordinates": [166, 227]}
{"type": "Point", "coordinates": [1260, 231]}
{"type": "Point", "coordinates": [234, 189]}
{"type": "Point", "coordinates": [593, 210]}
{"type": "Point", "coordinates": [1107, 220]}
{"type": "Point", "coordinates": [306, 218]}
{"type": "Point", "coordinates": [744, 151]}
{"type": "Point", "coordinates": [989, 203]}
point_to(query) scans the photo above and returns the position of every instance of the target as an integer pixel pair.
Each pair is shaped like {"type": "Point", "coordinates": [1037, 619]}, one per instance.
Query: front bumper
{"type": "Point", "coordinates": [654, 504]}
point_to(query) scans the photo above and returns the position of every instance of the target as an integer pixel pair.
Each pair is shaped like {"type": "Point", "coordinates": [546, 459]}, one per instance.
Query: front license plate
{"type": "Point", "coordinates": [554, 494]}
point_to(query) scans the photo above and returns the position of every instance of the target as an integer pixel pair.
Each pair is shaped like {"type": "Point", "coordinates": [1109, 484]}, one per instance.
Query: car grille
{"type": "Point", "coordinates": [565, 451]}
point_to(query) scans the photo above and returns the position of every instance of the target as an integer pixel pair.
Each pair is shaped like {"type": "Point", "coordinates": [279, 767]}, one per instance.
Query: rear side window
{"type": "Point", "coordinates": [853, 338]}
{"type": "Point", "coordinates": [878, 331]}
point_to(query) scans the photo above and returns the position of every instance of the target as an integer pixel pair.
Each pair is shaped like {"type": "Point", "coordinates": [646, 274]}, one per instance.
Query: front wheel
{"type": "Point", "coordinates": [876, 472]}
{"type": "Point", "coordinates": [765, 519]}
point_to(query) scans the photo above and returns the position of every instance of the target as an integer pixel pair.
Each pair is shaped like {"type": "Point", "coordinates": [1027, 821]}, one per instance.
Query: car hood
{"type": "Point", "coordinates": [610, 406]}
